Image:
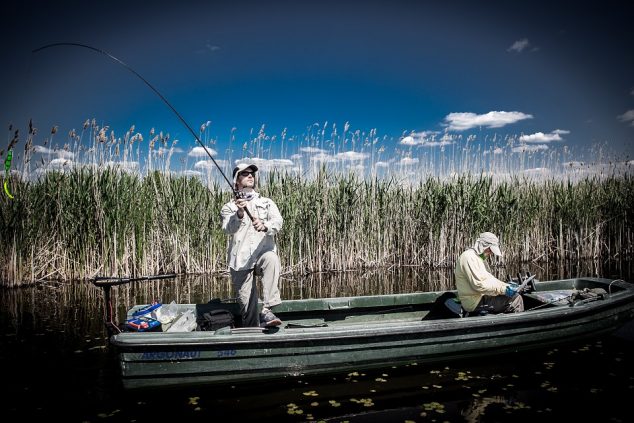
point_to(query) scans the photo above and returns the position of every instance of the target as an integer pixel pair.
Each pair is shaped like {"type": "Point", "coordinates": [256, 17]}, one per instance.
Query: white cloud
{"type": "Point", "coordinates": [204, 164]}
{"type": "Point", "coordinates": [277, 163]}
{"type": "Point", "coordinates": [60, 163]}
{"type": "Point", "coordinates": [266, 164]}
{"type": "Point", "coordinates": [410, 140]}
{"type": "Point", "coordinates": [191, 173]}
{"type": "Point", "coordinates": [627, 117]}
{"type": "Point", "coordinates": [493, 119]}
{"type": "Point", "coordinates": [440, 143]}
{"type": "Point", "coordinates": [519, 45]}
{"type": "Point", "coordinates": [419, 138]}
{"type": "Point", "coordinates": [408, 161]}
{"type": "Point", "coordinates": [200, 152]}
{"type": "Point", "coordinates": [427, 139]}
{"type": "Point", "coordinates": [529, 148]}
{"type": "Point", "coordinates": [162, 151]}
{"type": "Point", "coordinates": [536, 171]}
{"type": "Point", "coordinates": [382, 164]}
{"type": "Point", "coordinates": [41, 149]}
{"type": "Point", "coordinates": [352, 155]}
{"type": "Point", "coordinates": [208, 164]}
{"type": "Point", "coordinates": [207, 49]}
{"type": "Point", "coordinates": [62, 154]}
{"type": "Point", "coordinates": [312, 150]}
{"type": "Point", "coordinates": [323, 157]}
{"type": "Point", "coordinates": [339, 157]}
{"type": "Point", "coordinates": [538, 137]}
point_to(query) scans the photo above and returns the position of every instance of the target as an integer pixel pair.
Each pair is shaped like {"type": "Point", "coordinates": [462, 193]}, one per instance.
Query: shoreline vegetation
{"type": "Point", "coordinates": [103, 218]}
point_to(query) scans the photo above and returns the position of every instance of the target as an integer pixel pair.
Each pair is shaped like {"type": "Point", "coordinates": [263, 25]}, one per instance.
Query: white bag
{"type": "Point", "coordinates": [166, 313]}
{"type": "Point", "coordinates": [185, 323]}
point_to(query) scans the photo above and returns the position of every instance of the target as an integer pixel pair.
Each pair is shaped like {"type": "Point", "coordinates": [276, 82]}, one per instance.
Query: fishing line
{"type": "Point", "coordinates": [125, 65]}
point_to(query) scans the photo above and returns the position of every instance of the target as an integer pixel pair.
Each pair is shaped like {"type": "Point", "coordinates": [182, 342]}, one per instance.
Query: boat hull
{"type": "Point", "coordinates": [353, 336]}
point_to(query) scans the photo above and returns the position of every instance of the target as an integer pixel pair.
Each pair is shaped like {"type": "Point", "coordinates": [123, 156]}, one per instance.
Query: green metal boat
{"type": "Point", "coordinates": [344, 334]}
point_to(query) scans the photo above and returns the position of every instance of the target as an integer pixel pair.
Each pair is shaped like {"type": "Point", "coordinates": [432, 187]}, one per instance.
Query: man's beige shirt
{"type": "Point", "coordinates": [473, 280]}
{"type": "Point", "coordinates": [246, 244]}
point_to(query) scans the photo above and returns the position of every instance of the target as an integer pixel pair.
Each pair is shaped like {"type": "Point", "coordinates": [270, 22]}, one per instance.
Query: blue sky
{"type": "Point", "coordinates": [414, 76]}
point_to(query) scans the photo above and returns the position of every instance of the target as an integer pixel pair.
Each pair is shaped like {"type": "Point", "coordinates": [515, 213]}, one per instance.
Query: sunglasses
{"type": "Point", "coordinates": [245, 174]}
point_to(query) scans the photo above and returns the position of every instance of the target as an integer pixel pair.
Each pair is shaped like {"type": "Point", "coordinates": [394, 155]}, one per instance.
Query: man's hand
{"type": "Point", "coordinates": [511, 290]}
{"type": "Point", "coordinates": [241, 203]}
{"type": "Point", "coordinates": [258, 225]}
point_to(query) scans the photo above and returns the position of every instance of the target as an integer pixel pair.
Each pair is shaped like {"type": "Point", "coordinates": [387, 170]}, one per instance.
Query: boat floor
{"type": "Point", "coordinates": [313, 313]}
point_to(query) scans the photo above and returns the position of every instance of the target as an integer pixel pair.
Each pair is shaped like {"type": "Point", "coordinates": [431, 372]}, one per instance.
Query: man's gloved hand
{"type": "Point", "coordinates": [511, 289]}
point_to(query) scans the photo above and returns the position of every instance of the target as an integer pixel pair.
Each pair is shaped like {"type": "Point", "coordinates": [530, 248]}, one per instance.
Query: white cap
{"type": "Point", "coordinates": [243, 166]}
{"type": "Point", "coordinates": [488, 240]}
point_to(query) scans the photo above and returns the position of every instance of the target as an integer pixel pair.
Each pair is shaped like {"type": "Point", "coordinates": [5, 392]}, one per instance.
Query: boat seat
{"type": "Point", "coordinates": [454, 306]}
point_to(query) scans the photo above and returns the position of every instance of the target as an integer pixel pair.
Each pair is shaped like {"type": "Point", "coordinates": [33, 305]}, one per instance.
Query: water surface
{"type": "Point", "coordinates": [56, 364]}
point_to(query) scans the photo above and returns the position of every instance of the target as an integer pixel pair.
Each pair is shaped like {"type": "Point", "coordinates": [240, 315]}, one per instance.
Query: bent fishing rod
{"type": "Point", "coordinates": [125, 65]}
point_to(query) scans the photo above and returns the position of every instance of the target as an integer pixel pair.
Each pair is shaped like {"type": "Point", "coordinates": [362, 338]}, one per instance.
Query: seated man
{"type": "Point", "coordinates": [477, 287]}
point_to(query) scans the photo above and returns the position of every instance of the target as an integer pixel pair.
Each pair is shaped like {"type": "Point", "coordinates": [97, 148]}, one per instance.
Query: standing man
{"type": "Point", "coordinates": [477, 287]}
{"type": "Point", "coordinates": [252, 248]}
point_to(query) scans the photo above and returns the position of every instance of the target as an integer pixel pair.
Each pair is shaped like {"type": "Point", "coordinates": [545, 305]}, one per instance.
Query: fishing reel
{"type": "Point", "coordinates": [525, 284]}
{"type": "Point", "coordinates": [245, 195]}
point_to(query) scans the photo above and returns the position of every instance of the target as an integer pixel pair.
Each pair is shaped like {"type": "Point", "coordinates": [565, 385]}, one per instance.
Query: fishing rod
{"type": "Point", "coordinates": [576, 298]}
{"type": "Point", "coordinates": [113, 280]}
{"type": "Point", "coordinates": [567, 298]}
{"type": "Point", "coordinates": [236, 193]}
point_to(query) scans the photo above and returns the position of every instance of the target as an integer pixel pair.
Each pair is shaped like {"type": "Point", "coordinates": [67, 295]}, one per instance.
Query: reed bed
{"type": "Point", "coordinates": [88, 221]}
{"type": "Point", "coordinates": [106, 216]}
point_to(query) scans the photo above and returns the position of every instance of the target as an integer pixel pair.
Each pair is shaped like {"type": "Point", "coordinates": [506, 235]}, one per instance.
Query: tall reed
{"type": "Point", "coordinates": [107, 217]}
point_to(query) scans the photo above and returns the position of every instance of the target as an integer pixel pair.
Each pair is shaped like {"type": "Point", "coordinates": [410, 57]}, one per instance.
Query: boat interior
{"type": "Point", "coordinates": [306, 313]}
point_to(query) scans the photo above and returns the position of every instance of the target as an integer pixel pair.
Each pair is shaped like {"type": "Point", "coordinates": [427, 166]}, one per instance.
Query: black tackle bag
{"type": "Point", "coordinates": [215, 319]}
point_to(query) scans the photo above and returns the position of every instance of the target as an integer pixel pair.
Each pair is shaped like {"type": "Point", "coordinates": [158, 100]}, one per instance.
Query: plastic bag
{"type": "Point", "coordinates": [166, 313]}
{"type": "Point", "coordinates": [185, 323]}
